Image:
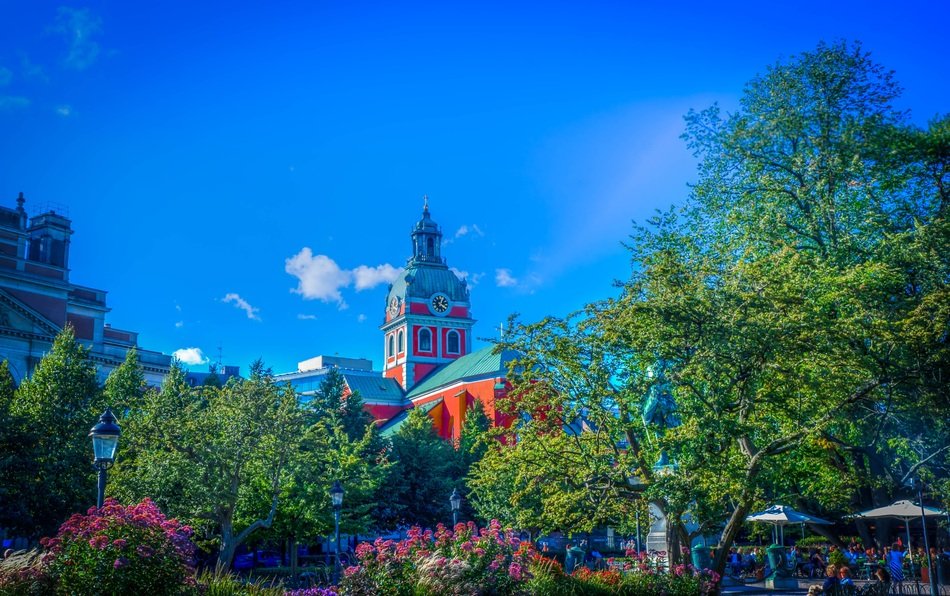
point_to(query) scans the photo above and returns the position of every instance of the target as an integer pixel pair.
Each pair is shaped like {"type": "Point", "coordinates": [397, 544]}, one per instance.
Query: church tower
{"type": "Point", "coordinates": [428, 320]}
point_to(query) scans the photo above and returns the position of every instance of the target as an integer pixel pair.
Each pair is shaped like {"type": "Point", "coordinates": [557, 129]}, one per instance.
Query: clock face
{"type": "Point", "coordinates": [394, 306]}
{"type": "Point", "coordinates": [440, 303]}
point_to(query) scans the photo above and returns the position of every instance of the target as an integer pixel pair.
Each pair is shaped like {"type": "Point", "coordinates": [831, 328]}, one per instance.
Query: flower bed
{"type": "Point", "coordinates": [120, 549]}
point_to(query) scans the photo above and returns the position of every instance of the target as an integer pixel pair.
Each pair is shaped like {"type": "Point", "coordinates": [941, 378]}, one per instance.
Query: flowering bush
{"type": "Point", "coordinates": [117, 549]}
{"type": "Point", "coordinates": [464, 560]}
{"type": "Point", "coordinates": [24, 573]}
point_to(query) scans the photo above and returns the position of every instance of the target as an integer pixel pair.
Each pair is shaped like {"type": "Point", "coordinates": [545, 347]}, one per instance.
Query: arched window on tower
{"type": "Point", "coordinates": [452, 342]}
{"type": "Point", "coordinates": [430, 247]}
{"type": "Point", "coordinates": [425, 340]}
{"type": "Point", "coordinates": [402, 342]}
{"type": "Point", "coordinates": [392, 343]}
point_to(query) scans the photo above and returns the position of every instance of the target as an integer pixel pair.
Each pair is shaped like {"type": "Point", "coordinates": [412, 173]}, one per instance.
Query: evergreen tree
{"type": "Point", "coordinates": [422, 477]}
{"type": "Point", "coordinates": [59, 404]}
{"type": "Point", "coordinates": [125, 386]}
{"type": "Point", "coordinates": [17, 449]}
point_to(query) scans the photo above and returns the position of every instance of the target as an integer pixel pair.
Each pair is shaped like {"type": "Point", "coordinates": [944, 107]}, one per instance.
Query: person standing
{"type": "Point", "coordinates": [895, 562]}
{"type": "Point", "coordinates": [831, 581]}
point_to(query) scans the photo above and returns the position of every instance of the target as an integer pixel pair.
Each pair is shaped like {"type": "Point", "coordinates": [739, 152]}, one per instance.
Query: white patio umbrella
{"type": "Point", "coordinates": [780, 516]}
{"type": "Point", "coordinates": [903, 510]}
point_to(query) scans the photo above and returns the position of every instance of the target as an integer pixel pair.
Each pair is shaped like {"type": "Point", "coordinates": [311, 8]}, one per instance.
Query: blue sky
{"type": "Point", "coordinates": [204, 149]}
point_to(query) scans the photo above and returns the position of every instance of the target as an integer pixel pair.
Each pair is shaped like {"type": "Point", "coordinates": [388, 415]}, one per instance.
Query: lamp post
{"type": "Point", "coordinates": [932, 572]}
{"type": "Point", "coordinates": [456, 501]}
{"type": "Point", "coordinates": [336, 497]}
{"type": "Point", "coordinates": [105, 440]}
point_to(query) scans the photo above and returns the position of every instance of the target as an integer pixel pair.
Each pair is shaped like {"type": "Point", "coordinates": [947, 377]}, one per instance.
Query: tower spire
{"type": "Point", "coordinates": [425, 203]}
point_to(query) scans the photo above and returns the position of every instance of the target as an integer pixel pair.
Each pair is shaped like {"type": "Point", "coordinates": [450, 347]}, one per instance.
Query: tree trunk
{"type": "Point", "coordinates": [226, 554]}
{"type": "Point", "coordinates": [733, 526]}
{"type": "Point", "coordinates": [293, 558]}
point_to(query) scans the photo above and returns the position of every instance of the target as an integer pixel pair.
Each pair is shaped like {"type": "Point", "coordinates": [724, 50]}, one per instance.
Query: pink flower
{"type": "Point", "coordinates": [99, 542]}
{"type": "Point", "coordinates": [119, 543]}
{"type": "Point", "coordinates": [120, 563]}
{"type": "Point", "coordinates": [514, 570]}
{"type": "Point", "coordinates": [145, 551]}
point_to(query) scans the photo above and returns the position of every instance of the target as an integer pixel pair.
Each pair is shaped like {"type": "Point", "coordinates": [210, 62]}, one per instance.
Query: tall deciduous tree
{"type": "Point", "coordinates": [205, 453]}
{"type": "Point", "coordinates": [795, 308]}
{"type": "Point", "coordinates": [17, 448]}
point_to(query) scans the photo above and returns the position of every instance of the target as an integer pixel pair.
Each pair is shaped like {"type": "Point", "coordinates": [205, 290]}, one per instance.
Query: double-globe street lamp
{"type": "Point", "coordinates": [105, 440]}
{"type": "Point", "coordinates": [456, 501]}
{"type": "Point", "coordinates": [336, 498]}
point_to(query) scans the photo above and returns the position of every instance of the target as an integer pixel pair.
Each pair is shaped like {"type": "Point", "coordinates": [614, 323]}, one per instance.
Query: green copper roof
{"type": "Point", "coordinates": [375, 388]}
{"type": "Point", "coordinates": [422, 281]}
{"type": "Point", "coordinates": [483, 363]}
{"type": "Point", "coordinates": [392, 426]}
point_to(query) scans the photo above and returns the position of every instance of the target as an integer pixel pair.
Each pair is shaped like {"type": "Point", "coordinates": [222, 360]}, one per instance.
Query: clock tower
{"type": "Point", "coordinates": [428, 320]}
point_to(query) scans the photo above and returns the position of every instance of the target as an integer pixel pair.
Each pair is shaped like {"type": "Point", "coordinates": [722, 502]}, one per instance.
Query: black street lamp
{"type": "Point", "coordinates": [456, 501]}
{"type": "Point", "coordinates": [105, 440]}
{"type": "Point", "coordinates": [919, 485]}
{"type": "Point", "coordinates": [336, 497]}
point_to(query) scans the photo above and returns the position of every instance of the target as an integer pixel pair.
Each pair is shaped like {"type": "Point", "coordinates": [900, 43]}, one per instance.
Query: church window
{"type": "Point", "coordinates": [402, 342]}
{"type": "Point", "coordinates": [392, 351]}
{"type": "Point", "coordinates": [452, 342]}
{"type": "Point", "coordinates": [430, 247]}
{"type": "Point", "coordinates": [425, 340]}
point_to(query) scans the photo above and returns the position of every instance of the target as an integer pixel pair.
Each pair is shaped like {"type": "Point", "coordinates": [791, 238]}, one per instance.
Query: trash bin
{"type": "Point", "coordinates": [701, 557]}
{"type": "Point", "coordinates": [778, 560]}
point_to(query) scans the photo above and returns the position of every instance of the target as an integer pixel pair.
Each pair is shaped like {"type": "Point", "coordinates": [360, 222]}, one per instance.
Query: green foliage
{"type": "Point", "coordinates": [17, 448]}
{"type": "Point", "coordinates": [58, 405]}
{"type": "Point", "coordinates": [25, 574]}
{"type": "Point", "coordinates": [207, 454]}
{"type": "Point", "coordinates": [420, 481]}
{"type": "Point", "coordinates": [125, 386]}
{"type": "Point", "coordinates": [796, 304]}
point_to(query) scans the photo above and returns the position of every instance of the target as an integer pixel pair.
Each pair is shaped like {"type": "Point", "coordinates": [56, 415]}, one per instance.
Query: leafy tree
{"type": "Point", "coordinates": [58, 404]}
{"type": "Point", "coordinates": [334, 404]}
{"type": "Point", "coordinates": [421, 479]}
{"type": "Point", "coordinates": [17, 447]}
{"type": "Point", "coordinates": [204, 454]}
{"type": "Point", "coordinates": [125, 386]}
{"type": "Point", "coordinates": [795, 308]}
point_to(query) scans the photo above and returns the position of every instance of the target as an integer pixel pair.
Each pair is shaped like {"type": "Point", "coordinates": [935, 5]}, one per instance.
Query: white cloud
{"type": "Point", "coordinates": [320, 278]}
{"type": "Point", "coordinates": [64, 110]}
{"type": "Point", "coordinates": [370, 277]}
{"type": "Point", "coordinates": [461, 231]}
{"type": "Point", "coordinates": [190, 356]}
{"type": "Point", "coordinates": [178, 307]}
{"type": "Point", "coordinates": [504, 279]}
{"type": "Point", "coordinates": [361, 318]}
{"type": "Point", "coordinates": [78, 26]}
{"type": "Point", "coordinates": [243, 305]}
{"type": "Point", "coordinates": [179, 324]}
{"type": "Point", "coordinates": [304, 317]}
{"type": "Point", "coordinates": [477, 230]}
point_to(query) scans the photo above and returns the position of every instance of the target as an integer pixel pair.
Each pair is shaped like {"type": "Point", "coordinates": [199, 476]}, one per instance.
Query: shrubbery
{"type": "Point", "coordinates": [121, 550]}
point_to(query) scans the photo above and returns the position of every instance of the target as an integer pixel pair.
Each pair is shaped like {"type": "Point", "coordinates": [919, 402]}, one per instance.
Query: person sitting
{"type": "Point", "coordinates": [844, 578]}
{"type": "Point", "coordinates": [831, 580]}
{"type": "Point", "coordinates": [735, 561]}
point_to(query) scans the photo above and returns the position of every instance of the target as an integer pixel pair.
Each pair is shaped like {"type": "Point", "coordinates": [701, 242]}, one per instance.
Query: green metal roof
{"type": "Point", "coordinates": [375, 388]}
{"type": "Point", "coordinates": [425, 279]}
{"type": "Point", "coordinates": [393, 425]}
{"type": "Point", "coordinates": [482, 363]}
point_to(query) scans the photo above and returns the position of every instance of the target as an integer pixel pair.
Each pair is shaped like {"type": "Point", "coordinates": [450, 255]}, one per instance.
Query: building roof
{"type": "Point", "coordinates": [393, 425]}
{"type": "Point", "coordinates": [375, 388]}
{"type": "Point", "coordinates": [484, 363]}
{"type": "Point", "coordinates": [424, 280]}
